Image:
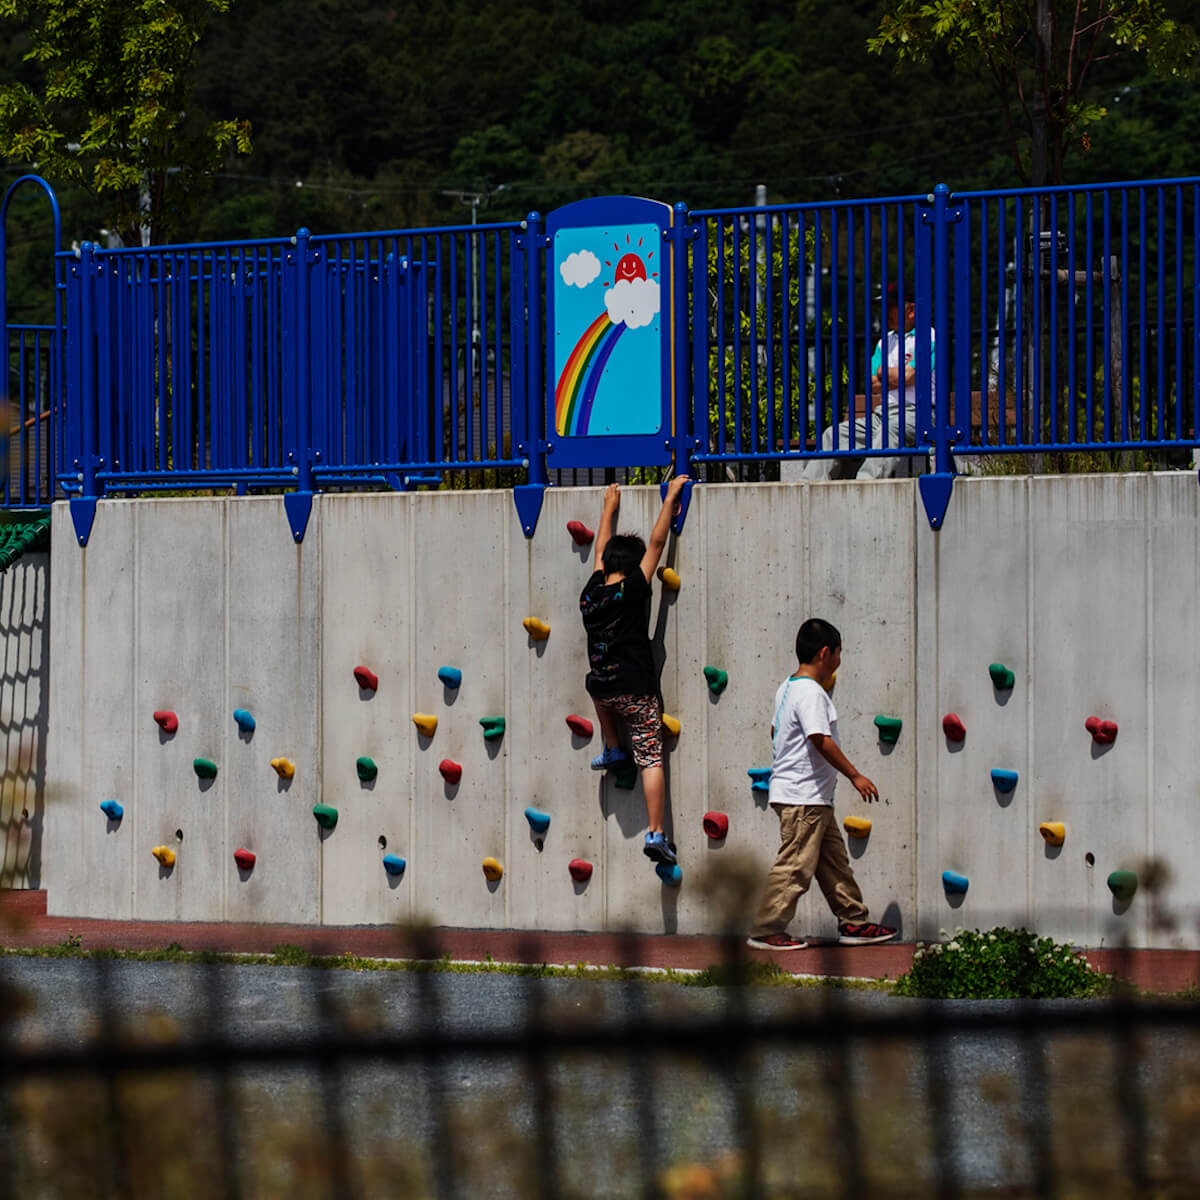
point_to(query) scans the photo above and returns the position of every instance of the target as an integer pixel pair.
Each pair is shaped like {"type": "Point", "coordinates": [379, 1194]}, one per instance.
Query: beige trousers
{"type": "Point", "coordinates": [810, 844]}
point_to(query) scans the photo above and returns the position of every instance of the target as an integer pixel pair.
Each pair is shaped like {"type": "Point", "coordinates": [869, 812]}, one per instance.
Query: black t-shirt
{"type": "Point", "coordinates": [617, 619]}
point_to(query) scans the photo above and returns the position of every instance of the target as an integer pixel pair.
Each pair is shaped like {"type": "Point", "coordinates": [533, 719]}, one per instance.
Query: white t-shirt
{"type": "Point", "coordinates": [800, 773]}
{"type": "Point", "coordinates": [901, 356]}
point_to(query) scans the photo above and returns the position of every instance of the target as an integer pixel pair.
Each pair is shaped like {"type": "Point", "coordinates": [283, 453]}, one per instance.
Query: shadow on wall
{"type": "Point", "coordinates": [24, 686]}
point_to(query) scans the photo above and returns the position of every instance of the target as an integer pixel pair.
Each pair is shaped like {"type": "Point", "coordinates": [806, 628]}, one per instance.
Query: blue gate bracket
{"type": "Point", "coordinates": [935, 491]}
{"type": "Point", "coordinates": [83, 513]}
{"type": "Point", "coordinates": [298, 506]}
{"type": "Point", "coordinates": [528, 498]}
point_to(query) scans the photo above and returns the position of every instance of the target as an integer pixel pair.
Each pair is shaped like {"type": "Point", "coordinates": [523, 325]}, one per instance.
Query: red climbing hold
{"type": "Point", "coordinates": [580, 726]}
{"type": "Point", "coordinates": [1104, 733]}
{"type": "Point", "coordinates": [451, 771]}
{"type": "Point", "coordinates": [168, 722]}
{"type": "Point", "coordinates": [716, 825]}
{"type": "Point", "coordinates": [953, 727]}
{"type": "Point", "coordinates": [244, 859]}
{"type": "Point", "coordinates": [580, 533]}
{"type": "Point", "coordinates": [367, 679]}
{"type": "Point", "coordinates": [581, 869]}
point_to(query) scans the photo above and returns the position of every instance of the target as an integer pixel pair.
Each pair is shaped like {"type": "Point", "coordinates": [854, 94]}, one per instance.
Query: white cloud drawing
{"type": "Point", "coordinates": [634, 301]}
{"type": "Point", "coordinates": [579, 269]}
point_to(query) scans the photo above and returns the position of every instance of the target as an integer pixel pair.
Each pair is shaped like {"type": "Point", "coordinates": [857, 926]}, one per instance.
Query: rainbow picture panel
{"type": "Point", "coordinates": [608, 374]}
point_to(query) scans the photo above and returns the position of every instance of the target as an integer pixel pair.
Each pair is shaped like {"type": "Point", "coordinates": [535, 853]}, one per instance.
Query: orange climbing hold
{"type": "Point", "coordinates": [1104, 733]}
{"type": "Point", "coordinates": [580, 726]}
{"type": "Point", "coordinates": [426, 724]}
{"type": "Point", "coordinates": [670, 578]}
{"type": "Point", "coordinates": [671, 724]}
{"type": "Point", "coordinates": [245, 859]}
{"type": "Point", "coordinates": [367, 679]}
{"type": "Point", "coordinates": [168, 722]}
{"type": "Point", "coordinates": [857, 827]}
{"type": "Point", "coordinates": [492, 869]}
{"type": "Point", "coordinates": [1055, 832]}
{"type": "Point", "coordinates": [537, 629]}
{"type": "Point", "coordinates": [283, 767]}
{"type": "Point", "coordinates": [581, 535]}
{"type": "Point", "coordinates": [165, 855]}
{"type": "Point", "coordinates": [451, 771]}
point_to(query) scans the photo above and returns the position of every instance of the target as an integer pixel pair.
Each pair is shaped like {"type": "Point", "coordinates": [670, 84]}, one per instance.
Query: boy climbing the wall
{"type": "Point", "coordinates": [622, 679]}
{"type": "Point", "coordinates": [804, 771]}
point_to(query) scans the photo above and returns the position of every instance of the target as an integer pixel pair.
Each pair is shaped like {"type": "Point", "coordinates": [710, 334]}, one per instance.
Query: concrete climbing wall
{"type": "Point", "coordinates": [1084, 587]}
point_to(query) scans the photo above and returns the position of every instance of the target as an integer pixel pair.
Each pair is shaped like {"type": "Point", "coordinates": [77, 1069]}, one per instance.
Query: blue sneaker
{"type": "Point", "coordinates": [659, 850]}
{"type": "Point", "coordinates": [613, 756]}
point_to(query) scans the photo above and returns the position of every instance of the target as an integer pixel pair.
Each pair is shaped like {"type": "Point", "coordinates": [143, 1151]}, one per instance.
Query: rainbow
{"type": "Point", "coordinates": [576, 389]}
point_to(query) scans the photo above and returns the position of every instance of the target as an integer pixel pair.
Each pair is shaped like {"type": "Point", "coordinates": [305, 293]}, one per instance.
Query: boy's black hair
{"type": "Point", "coordinates": [623, 554]}
{"type": "Point", "coordinates": [813, 636]}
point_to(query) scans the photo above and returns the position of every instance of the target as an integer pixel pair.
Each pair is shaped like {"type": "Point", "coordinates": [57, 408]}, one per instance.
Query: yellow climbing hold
{"type": "Point", "coordinates": [538, 630]}
{"type": "Point", "coordinates": [832, 681]}
{"type": "Point", "coordinates": [1055, 832]}
{"type": "Point", "coordinates": [165, 855]}
{"type": "Point", "coordinates": [492, 869]}
{"type": "Point", "coordinates": [671, 724]}
{"type": "Point", "coordinates": [426, 723]}
{"type": "Point", "coordinates": [857, 827]}
{"type": "Point", "coordinates": [283, 767]}
{"type": "Point", "coordinates": [670, 578]}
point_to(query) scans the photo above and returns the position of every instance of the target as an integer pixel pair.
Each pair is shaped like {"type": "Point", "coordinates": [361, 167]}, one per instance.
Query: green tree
{"type": "Point", "coordinates": [106, 106]}
{"type": "Point", "coordinates": [1040, 55]}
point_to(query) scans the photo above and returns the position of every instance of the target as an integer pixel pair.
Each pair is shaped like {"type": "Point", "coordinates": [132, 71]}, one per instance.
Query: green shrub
{"type": "Point", "coordinates": [999, 965]}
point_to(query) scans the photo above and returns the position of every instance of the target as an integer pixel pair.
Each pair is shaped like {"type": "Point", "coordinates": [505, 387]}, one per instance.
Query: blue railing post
{"type": "Point", "coordinates": [935, 488]}
{"type": "Point", "coordinates": [528, 497]}
{"type": "Point", "coordinates": [681, 433]}
{"type": "Point", "coordinates": [83, 506]}
{"type": "Point", "coordinates": [298, 504]}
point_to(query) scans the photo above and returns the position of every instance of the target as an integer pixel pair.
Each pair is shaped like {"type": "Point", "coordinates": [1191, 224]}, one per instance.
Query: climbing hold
{"type": "Point", "coordinates": [245, 859]}
{"type": "Point", "coordinates": [1104, 733]}
{"type": "Point", "coordinates": [366, 768]}
{"type": "Point", "coordinates": [1004, 780]}
{"type": "Point", "coordinates": [671, 724]}
{"type": "Point", "coordinates": [283, 767]}
{"type": "Point", "coordinates": [426, 724]}
{"type": "Point", "coordinates": [245, 722]}
{"type": "Point", "coordinates": [205, 768]}
{"type": "Point", "coordinates": [538, 630]}
{"type": "Point", "coordinates": [670, 578]}
{"type": "Point", "coordinates": [165, 855]}
{"type": "Point", "coordinates": [718, 680]}
{"type": "Point", "coordinates": [626, 777]}
{"type": "Point", "coordinates": [889, 729]}
{"type": "Point", "coordinates": [716, 825]}
{"type": "Point", "coordinates": [954, 883]}
{"type": "Point", "coordinates": [1123, 884]}
{"type": "Point", "coordinates": [539, 821]}
{"type": "Point", "coordinates": [581, 535]}
{"type": "Point", "coordinates": [367, 679]}
{"type": "Point", "coordinates": [168, 722]}
{"type": "Point", "coordinates": [953, 727]}
{"type": "Point", "coordinates": [451, 771]}
{"type": "Point", "coordinates": [832, 680]}
{"type": "Point", "coordinates": [669, 873]}
{"type": "Point", "coordinates": [492, 869]}
{"type": "Point", "coordinates": [760, 779]}
{"type": "Point", "coordinates": [112, 810]}
{"type": "Point", "coordinates": [450, 676]}
{"type": "Point", "coordinates": [1055, 832]}
{"type": "Point", "coordinates": [1002, 677]}
{"type": "Point", "coordinates": [493, 728]}
{"type": "Point", "coordinates": [580, 726]}
{"type": "Point", "coordinates": [393, 864]}
{"type": "Point", "coordinates": [581, 869]}
{"type": "Point", "coordinates": [857, 827]}
{"type": "Point", "coordinates": [326, 815]}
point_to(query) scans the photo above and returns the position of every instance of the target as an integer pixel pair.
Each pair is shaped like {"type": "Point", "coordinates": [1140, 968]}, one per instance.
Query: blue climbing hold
{"type": "Point", "coordinates": [450, 676]}
{"type": "Point", "coordinates": [539, 821]}
{"type": "Point", "coordinates": [393, 864]}
{"type": "Point", "coordinates": [1004, 780]}
{"type": "Point", "coordinates": [760, 779]}
{"type": "Point", "coordinates": [669, 873]}
{"type": "Point", "coordinates": [954, 883]}
{"type": "Point", "coordinates": [245, 722]}
{"type": "Point", "coordinates": [112, 810]}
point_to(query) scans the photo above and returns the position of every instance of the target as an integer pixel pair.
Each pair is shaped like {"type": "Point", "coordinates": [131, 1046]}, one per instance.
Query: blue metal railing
{"type": "Point", "coordinates": [1060, 319]}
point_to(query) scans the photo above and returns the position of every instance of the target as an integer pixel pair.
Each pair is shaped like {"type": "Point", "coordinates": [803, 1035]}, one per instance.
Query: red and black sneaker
{"type": "Point", "coordinates": [776, 941]}
{"type": "Point", "coordinates": [866, 934]}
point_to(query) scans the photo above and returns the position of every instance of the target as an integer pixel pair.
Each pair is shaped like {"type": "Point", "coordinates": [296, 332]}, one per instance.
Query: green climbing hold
{"type": "Point", "coordinates": [366, 768]}
{"type": "Point", "coordinates": [718, 680]}
{"type": "Point", "coordinates": [205, 768]}
{"type": "Point", "coordinates": [493, 728]}
{"type": "Point", "coordinates": [1002, 677]}
{"type": "Point", "coordinates": [326, 815]}
{"type": "Point", "coordinates": [889, 728]}
{"type": "Point", "coordinates": [626, 776]}
{"type": "Point", "coordinates": [1123, 884]}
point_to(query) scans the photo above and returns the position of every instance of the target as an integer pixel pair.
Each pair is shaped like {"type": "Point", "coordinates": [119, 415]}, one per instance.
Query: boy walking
{"type": "Point", "coordinates": [622, 680]}
{"type": "Point", "coordinates": [804, 771]}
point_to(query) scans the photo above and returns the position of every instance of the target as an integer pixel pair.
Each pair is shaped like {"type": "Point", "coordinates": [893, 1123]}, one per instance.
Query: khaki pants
{"type": "Point", "coordinates": [810, 844]}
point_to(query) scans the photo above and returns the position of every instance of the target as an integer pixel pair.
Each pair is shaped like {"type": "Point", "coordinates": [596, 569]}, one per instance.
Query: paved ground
{"type": "Point", "coordinates": [23, 922]}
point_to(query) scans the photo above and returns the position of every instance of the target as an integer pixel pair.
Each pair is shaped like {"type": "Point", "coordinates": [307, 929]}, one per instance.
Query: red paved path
{"type": "Point", "coordinates": [23, 923]}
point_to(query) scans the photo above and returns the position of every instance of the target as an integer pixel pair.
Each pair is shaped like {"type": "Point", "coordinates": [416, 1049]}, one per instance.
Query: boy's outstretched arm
{"type": "Point", "coordinates": [662, 527]}
{"type": "Point", "coordinates": [833, 752]}
{"type": "Point", "coordinates": [608, 519]}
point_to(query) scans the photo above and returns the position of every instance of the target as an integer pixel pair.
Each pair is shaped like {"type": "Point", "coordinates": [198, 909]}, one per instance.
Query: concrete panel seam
{"type": "Point", "coordinates": [135, 659]}
{"type": "Point", "coordinates": [509, 617]}
{"type": "Point", "coordinates": [1031, 794]}
{"type": "Point", "coordinates": [1148, 609]}
{"type": "Point", "coordinates": [226, 697]}
{"type": "Point", "coordinates": [317, 533]}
